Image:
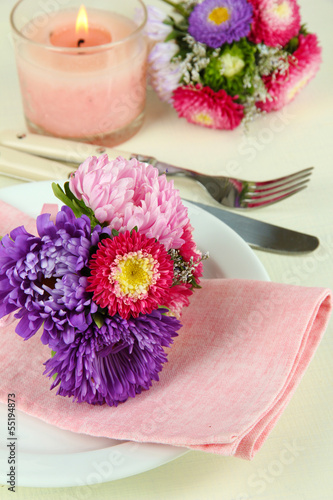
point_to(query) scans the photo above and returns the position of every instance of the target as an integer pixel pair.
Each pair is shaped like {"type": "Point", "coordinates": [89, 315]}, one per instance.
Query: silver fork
{"type": "Point", "coordinates": [238, 193]}
{"type": "Point", "coordinates": [228, 191]}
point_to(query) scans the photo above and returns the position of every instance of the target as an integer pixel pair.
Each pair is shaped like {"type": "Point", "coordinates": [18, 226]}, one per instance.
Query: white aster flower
{"type": "Point", "coordinates": [155, 28]}
{"type": "Point", "coordinates": [164, 75]}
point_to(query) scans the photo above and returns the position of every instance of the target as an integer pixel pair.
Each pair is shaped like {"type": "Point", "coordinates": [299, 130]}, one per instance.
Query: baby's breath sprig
{"type": "Point", "coordinates": [195, 60]}
{"type": "Point", "coordinates": [272, 60]}
{"type": "Point", "coordinates": [183, 270]}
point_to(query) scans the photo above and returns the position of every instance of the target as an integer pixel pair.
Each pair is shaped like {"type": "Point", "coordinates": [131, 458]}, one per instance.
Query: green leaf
{"type": "Point", "coordinates": [292, 45]}
{"type": "Point", "coordinates": [182, 25]}
{"type": "Point", "coordinates": [194, 284]}
{"type": "Point", "coordinates": [68, 192]}
{"type": "Point", "coordinates": [164, 307]}
{"type": "Point", "coordinates": [114, 232]}
{"type": "Point", "coordinates": [178, 7]}
{"type": "Point", "coordinates": [58, 191]}
{"type": "Point", "coordinates": [98, 319]}
{"type": "Point", "coordinates": [173, 35]}
{"type": "Point", "coordinates": [78, 206]}
{"type": "Point", "coordinates": [61, 195]}
{"type": "Point", "coordinates": [169, 21]}
{"type": "Point", "coordinates": [55, 375]}
{"type": "Point", "coordinates": [304, 30]}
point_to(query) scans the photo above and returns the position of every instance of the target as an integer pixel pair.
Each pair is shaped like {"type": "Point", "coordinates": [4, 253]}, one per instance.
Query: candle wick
{"type": "Point", "coordinates": [80, 42]}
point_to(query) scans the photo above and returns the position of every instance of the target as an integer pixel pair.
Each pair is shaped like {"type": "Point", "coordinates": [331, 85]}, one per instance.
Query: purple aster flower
{"type": "Point", "coordinates": [64, 257]}
{"type": "Point", "coordinates": [116, 361]}
{"type": "Point", "coordinates": [44, 278]}
{"type": "Point", "coordinates": [21, 280]}
{"type": "Point", "coordinates": [215, 22]}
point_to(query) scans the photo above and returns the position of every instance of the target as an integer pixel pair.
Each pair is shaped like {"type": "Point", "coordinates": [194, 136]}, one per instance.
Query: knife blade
{"type": "Point", "coordinates": [261, 235]}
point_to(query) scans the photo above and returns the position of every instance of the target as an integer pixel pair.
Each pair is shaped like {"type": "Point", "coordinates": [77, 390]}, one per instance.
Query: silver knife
{"type": "Point", "coordinates": [54, 148]}
{"type": "Point", "coordinates": [65, 151]}
{"type": "Point", "coordinates": [261, 235]}
{"type": "Point", "coordinates": [29, 167]}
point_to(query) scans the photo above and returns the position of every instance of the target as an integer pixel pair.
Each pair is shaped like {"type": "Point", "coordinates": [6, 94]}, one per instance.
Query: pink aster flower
{"type": "Point", "coordinates": [179, 294]}
{"type": "Point", "coordinates": [284, 87]}
{"type": "Point", "coordinates": [127, 194]}
{"type": "Point", "coordinates": [130, 274]}
{"type": "Point", "coordinates": [189, 250]}
{"type": "Point", "coordinates": [178, 298]}
{"type": "Point", "coordinates": [275, 22]}
{"type": "Point", "coordinates": [202, 106]}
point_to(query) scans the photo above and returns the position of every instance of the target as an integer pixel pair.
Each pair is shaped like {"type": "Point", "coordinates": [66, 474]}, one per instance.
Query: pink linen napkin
{"type": "Point", "coordinates": [243, 349]}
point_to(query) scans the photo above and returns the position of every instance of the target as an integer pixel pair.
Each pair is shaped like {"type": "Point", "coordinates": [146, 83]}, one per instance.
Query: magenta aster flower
{"type": "Point", "coordinates": [202, 106]}
{"type": "Point", "coordinates": [180, 293]}
{"type": "Point", "coordinates": [116, 361]}
{"type": "Point", "coordinates": [275, 22]}
{"type": "Point", "coordinates": [215, 22]}
{"type": "Point", "coordinates": [130, 274]}
{"type": "Point", "coordinates": [189, 250]}
{"type": "Point", "coordinates": [284, 87]}
{"type": "Point", "coordinates": [127, 194]}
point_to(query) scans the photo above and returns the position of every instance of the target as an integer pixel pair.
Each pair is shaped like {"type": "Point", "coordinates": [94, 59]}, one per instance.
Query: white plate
{"type": "Point", "coordinates": [50, 457]}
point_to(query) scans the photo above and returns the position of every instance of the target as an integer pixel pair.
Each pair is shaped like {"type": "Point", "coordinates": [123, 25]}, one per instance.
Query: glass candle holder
{"type": "Point", "coordinates": [82, 79]}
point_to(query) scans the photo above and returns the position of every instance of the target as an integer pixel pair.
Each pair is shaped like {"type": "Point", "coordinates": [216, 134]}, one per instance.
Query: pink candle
{"type": "Point", "coordinates": [87, 83]}
{"type": "Point", "coordinates": [80, 35]}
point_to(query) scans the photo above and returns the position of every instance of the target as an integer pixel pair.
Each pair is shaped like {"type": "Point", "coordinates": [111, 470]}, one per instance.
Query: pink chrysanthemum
{"type": "Point", "coordinates": [127, 194]}
{"type": "Point", "coordinates": [202, 106]}
{"type": "Point", "coordinates": [130, 274]}
{"type": "Point", "coordinates": [283, 88]}
{"type": "Point", "coordinates": [275, 22]}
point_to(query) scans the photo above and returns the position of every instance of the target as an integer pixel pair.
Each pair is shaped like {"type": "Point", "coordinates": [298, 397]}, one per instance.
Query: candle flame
{"type": "Point", "coordinates": [82, 21]}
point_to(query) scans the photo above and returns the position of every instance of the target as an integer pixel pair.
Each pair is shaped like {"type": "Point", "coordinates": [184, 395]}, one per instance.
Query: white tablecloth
{"type": "Point", "coordinates": [296, 461]}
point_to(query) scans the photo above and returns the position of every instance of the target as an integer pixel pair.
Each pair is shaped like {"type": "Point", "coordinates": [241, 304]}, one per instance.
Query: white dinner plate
{"type": "Point", "coordinates": [51, 457]}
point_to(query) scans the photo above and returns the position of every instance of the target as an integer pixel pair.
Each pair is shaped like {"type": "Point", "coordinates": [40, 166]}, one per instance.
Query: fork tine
{"type": "Point", "coordinates": [267, 193]}
{"type": "Point", "coordinates": [265, 202]}
{"type": "Point", "coordinates": [282, 185]}
{"type": "Point", "coordinates": [286, 179]}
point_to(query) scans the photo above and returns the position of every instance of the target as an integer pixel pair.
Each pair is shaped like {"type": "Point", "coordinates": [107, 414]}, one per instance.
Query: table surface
{"type": "Point", "coordinates": [297, 137]}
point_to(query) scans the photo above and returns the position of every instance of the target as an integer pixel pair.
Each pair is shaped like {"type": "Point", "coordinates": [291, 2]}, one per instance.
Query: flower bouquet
{"type": "Point", "coordinates": [105, 281]}
{"type": "Point", "coordinates": [222, 62]}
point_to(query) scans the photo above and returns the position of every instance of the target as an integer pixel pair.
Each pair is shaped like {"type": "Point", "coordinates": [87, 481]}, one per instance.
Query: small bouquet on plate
{"type": "Point", "coordinates": [222, 62]}
{"type": "Point", "coordinates": [105, 281]}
